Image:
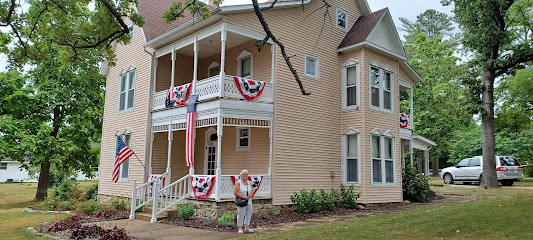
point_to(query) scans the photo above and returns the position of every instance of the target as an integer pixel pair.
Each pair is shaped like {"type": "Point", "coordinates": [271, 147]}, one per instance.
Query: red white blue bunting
{"type": "Point", "coordinates": [162, 182]}
{"type": "Point", "coordinates": [202, 186]}
{"type": "Point", "coordinates": [404, 120]}
{"type": "Point", "coordinates": [249, 89]}
{"type": "Point", "coordinates": [178, 95]}
{"type": "Point", "coordinates": [255, 181]}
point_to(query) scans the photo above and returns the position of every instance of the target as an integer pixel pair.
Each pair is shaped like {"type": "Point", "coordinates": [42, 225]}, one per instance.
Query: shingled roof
{"type": "Point", "coordinates": [361, 29]}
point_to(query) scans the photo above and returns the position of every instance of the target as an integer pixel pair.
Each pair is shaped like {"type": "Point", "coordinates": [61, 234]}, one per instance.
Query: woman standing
{"type": "Point", "coordinates": [243, 189]}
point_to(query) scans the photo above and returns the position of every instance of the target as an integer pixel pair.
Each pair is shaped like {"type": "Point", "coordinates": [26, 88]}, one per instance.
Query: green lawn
{"type": "Point", "coordinates": [503, 213]}
{"type": "Point", "coordinates": [14, 197]}
{"type": "Point", "coordinates": [437, 182]}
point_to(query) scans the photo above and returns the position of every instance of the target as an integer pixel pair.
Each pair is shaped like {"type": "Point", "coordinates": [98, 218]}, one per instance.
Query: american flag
{"type": "Point", "coordinates": [122, 154]}
{"type": "Point", "coordinates": [189, 133]}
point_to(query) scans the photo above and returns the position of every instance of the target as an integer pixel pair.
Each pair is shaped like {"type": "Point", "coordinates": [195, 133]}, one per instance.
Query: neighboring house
{"type": "Point", "coordinates": [348, 131]}
{"type": "Point", "coordinates": [11, 171]}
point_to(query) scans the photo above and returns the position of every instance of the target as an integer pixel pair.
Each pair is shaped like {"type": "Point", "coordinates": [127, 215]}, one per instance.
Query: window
{"type": "Point", "coordinates": [342, 18]}
{"type": "Point", "coordinates": [474, 162]}
{"type": "Point", "coordinates": [127, 90]}
{"type": "Point", "coordinates": [124, 170]}
{"type": "Point", "coordinates": [351, 157]}
{"type": "Point", "coordinates": [245, 65]}
{"type": "Point", "coordinates": [243, 138]}
{"type": "Point", "coordinates": [383, 169]}
{"type": "Point", "coordinates": [311, 67]}
{"type": "Point", "coordinates": [463, 163]}
{"type": "Point", "coordinates": [3, 166]}
{"type": "Point", "coordinates": [350, 81]}
{"type": "Point", "coordinates": [213, 69]}
{"type": "Point", "coordinates": [380, 88]}
{"type": "Point", "coordinates": [130, 29]}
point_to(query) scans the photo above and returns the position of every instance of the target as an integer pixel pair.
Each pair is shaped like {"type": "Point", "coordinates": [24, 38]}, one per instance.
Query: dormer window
{"type": "Point", "coordinates": [342, 18]}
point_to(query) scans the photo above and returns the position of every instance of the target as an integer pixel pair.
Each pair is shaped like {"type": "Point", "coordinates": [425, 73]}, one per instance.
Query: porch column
{"type": "Point", "coordinates": [219, 155]}
{"type": "Point", "coordinates": [402, 146]}
{"type": "Point", "coordinates": [169, 157]}
{"type": "Point", "coordinates": [426, 162]}
{"type": "Point", "coordinates": [173, 67]}
{"type": "Point", "coordinates": [411, 112]}
{"type": "Point", "coordinates": [195, 73]}
{"type": "Point", "coordinates": [270, 150]}
{"type": "Point", "coordinates": [156, 61]}
{"type": "Point", "coordinates": [151, 152]}
{"type": "Point", "coordinates": [222, 59]}
{"type": "Point", "coordinates": [411, 151]}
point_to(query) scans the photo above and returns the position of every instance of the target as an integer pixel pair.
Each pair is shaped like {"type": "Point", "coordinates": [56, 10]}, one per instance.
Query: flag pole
{"type": "Point", "coordinates": [124, 140]}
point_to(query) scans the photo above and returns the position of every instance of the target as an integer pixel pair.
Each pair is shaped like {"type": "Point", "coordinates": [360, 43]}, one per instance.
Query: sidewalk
{"type": "Point", "coordinates": [145, 230]}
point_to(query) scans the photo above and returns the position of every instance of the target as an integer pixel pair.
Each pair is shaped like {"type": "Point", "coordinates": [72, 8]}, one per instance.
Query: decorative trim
{"type": "Point", "coordinates": [351, 131]}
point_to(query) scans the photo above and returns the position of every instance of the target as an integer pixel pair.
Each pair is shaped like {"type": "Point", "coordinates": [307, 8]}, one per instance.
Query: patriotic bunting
{"type": "Point", "coordinates": [178, 95]}
{"type": "Point", "coordinates": [162, 182]}
{"type": "Point", "coordinates": [202, 186]}
{"type": "Point", "coordinates": [255, 181]}
{"type": "Point", "coordinates": [404, 120]}
{"type": "Point", "coordinates": [249, 89]}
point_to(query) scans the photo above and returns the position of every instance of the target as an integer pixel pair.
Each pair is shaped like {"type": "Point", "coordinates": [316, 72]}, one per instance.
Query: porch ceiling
{"type": "Point", "coordinates": [211, 45]}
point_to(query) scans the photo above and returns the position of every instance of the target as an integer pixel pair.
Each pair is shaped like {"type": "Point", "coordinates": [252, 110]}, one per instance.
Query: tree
{"type": "Point", "coordinates": [52, 116]}
{"type": "Point", "coordinates": [497, 32]}
{"type": "Point", "coordinates": [515, 94]}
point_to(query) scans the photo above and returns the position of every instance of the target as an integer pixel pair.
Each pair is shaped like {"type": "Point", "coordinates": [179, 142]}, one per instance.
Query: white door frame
{"type": "Point", "coordinates": [214, 144]}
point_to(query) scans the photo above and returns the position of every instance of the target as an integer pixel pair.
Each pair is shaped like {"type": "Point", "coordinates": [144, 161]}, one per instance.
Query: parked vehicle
{"type": "Point", "coordinates": [470, 170]}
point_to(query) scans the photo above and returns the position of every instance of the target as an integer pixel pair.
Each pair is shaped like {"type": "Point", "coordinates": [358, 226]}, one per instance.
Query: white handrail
{"type": "Point", "coordinates": [143, 194]}
{"type": "Point", "coordinates": [170, 196]}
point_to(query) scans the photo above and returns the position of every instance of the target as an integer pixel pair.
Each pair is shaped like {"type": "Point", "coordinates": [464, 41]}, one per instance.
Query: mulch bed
{"type": "Point", "coordinates": [286, 216]}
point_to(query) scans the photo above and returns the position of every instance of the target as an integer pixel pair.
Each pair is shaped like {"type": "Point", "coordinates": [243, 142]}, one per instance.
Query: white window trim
{"type": "Point", "coordinates": [5, 165]}
{"type": "Point", "coordinates": [337, 10]}
{"type": "Point", "coordinates": [238, 138]}
{"type": "Point", "coordinates": [245, 54]}
{"type": "Point", "coordinates": [208, 133]}
{"type": "Point", "coordinates": [382, 137]}
{"type": "Point", "coordinates": [132, 30]}
{"type": "Point", "coordinates": [381, 71]}
{"type": "Point", "coordinates": [317, 67]}
{"type": "Point", "coordinates": [344, 153]}
{"type": "Point", "coordinates": [121, 168]}
{"type": "Point", "coordinates": [126, 109]}
{"type": "Point", "coordinates": [345, 66]}
{"type": "Point", "coordinates": [213, 65]}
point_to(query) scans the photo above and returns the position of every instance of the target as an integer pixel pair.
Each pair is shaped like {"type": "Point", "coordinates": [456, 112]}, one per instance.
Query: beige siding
{"type": "Point", "coordinates": [183, 73]}
{"type": "Point", "coordinates": [404, 77]}
{"type": "Point", "coordinates": [307, 128]}
{"type": "Point", "coordinates": [131, 55]}
{"type": "Point", "coordinates": [233, 160]}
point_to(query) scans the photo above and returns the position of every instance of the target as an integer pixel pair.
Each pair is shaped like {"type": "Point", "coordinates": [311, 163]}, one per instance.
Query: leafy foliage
{"type": "Point", "coordinates": [309, 202]}
{"type": "Point", "coordinates": [227, 219]}
{"type": "Point", "coordinates": [91, 192]}
{"type": "Point", "coordinates": [114, 234]}
{"type": "Point", "coordinates": [67, 223]}
{"type": "Point", "coordinates": [276, 212]}
{"type": "Point", "coordinates": [347, 197]}
{"type": "Point", "coordinates": [88, 231]}
{"type": "Point", "coordinates": [65, 190]}
{"type": "Point", "coordinates": [466, 144]}
{"type": "Point", "coordinates": [186, 211]}
{"type": "Point", "coordinates": [415, 186]}
{"type": "Point", "coordinates": [119, 205]}
{"type": "Point", "coordinates": [90, 207]}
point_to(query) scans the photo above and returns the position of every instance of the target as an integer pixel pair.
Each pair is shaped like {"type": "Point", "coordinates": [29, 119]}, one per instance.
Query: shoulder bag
{"type": "Point", "coordinates": [241, 202]}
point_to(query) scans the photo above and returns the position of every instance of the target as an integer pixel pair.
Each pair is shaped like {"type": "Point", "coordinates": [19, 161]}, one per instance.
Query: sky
{"type": "Point", "coordinates": [398, 8]}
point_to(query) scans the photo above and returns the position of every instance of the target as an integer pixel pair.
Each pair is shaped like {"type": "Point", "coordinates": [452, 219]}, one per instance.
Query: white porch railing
{"type": "Point", "coordinates": [226, 187]}
{"type": "Point", "coordinates": [143, 194]}
{"type": "Point", "coordinates": [209, 88]}
{"type": "Point", "coordinates": [170, 195]}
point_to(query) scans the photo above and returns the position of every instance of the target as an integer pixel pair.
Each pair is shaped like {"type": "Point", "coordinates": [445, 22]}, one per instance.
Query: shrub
{"type": "Point", "coordinates": [91, 192]}
{"type": "Point", "coordinates": [335, 196]}
{"type": "Point", "coordinates": [119, 205]}
{"type": "Point", "coordinates": [264, 214]}
{"type": "Point", "coordinates": [347, 198]}
{"type": "Point", "coordinates": [90, 207]}
{"type": "Point", "coordinates": [65, 205]}
{"type": "Point", "coordinates": [415, 186]}
{"type": "Point", "coordinates": [276, 212]}
{"type": "Point", "coordinates": [67, 223]}
{"type": "Point", "coordinates": [49, 203]}
{"type": "Point", "coordinates": [308, 202]}
{"type": "Point", "coordinates": [207, 223]}
{"type": "Point", "coordinates": [528, 170]}
{"type": "Point", "coordinates": [113, 234]}
{"type": "Point", "coordinates": [328, 203]}
{"type": "Point", "coordinates": [64, 190]}
{"type": "Point", "coordinates": [84, 232]}
{"type": "Point", "coordinates": [227, 219]}
{"type": "Point", "coordinates": [186, 211]}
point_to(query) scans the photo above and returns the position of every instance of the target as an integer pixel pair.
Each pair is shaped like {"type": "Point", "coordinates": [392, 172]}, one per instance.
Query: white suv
{"type": "Point", "coordinates": [470, 170]}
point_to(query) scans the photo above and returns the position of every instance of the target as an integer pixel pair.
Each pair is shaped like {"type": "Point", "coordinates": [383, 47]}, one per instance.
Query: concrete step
{"type": "Point", "coordinates": [148, 216]}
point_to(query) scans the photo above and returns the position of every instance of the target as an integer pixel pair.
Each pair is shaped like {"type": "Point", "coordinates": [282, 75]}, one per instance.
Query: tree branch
{"type": "Point", "coordinates": [9, 14]}
{"type": "Point", "coordinates": [269, 7]}
{"type": "Point", "coordinates": [270, 35]}
{"type": "Point", "coordinates": [517, 60]}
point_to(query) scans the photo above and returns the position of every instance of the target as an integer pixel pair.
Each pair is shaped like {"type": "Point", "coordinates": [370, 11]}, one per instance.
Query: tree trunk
{"type": "Point", "coordinates": [436, 167]}
{"type": "Point", "coordinates": [42, 186]}
{"type": "Point", "coordinates": [489, 165]}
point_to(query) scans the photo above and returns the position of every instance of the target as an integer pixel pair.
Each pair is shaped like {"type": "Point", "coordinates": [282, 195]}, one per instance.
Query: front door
{"type": "Point", "coordinates": [210, 152]}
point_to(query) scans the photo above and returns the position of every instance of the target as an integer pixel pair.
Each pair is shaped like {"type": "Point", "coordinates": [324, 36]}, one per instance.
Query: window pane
{"type": "Point", "coordinates": [131, 95]}
{"type": "Point", "coordinates": [388, 148]}
{"type": "Point", "coordinates": [352, 170]}
{"type": "Point", "coordinates": [374, 77]}
{"type": "Point", "coordinates": [375, 97]}
{"type": "Point", "coordinates": [375, 147]}
{"type": "Point", "coordinates": [352, 146]}
{"type": "Point", "coordinates": [244, 142]}
{"type": "Point", "coordinates": [341, 19]}
{"type": "Point", "coordinates": [474, 162]}
{"type": "Point", "coordinates": [123, 83]}
{"type": "Point", "coordinates": [131, 84]}
{"type": "Point", "coordinates": [351, 95]}
{"type": "Point", "coordinates": [122, 101]}
{"type": "Point", "coordinates": [243, 132]}
{"type": "Point", "coordinates": [386, 81]}
{"type": "Point", "coordinates": [245, 67]}
{"type": "Point", "coordinates": [389, 170]}
{"type": "Point", "coordinates": [387, 100]}
{"type": "Point", "coordinates": [351, 76]}
{"type": "Point", "coordinates": [463, 163]}
{"type": "Point", "coordinates": [376, 170]}
{"type": "Point", "coordinates": [310, 66]}
{"type": "Point", "coordinates": [125, 168]}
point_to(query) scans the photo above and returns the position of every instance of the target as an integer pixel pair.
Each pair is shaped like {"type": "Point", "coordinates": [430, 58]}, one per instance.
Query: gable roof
{"type": "Point", "coordinates": [362, 28]}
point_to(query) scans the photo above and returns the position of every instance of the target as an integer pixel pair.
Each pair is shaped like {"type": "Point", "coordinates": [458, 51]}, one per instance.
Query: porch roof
{"type": "Point", "coordinates": [422, 143]}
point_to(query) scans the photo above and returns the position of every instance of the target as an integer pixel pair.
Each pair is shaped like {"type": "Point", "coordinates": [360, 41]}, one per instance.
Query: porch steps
{"type": "Point", "coordinates": [146, 214]}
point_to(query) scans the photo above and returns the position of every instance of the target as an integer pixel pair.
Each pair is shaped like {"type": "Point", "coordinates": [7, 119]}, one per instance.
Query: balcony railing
{"type": "Point", "coordinates": [210, 88]}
